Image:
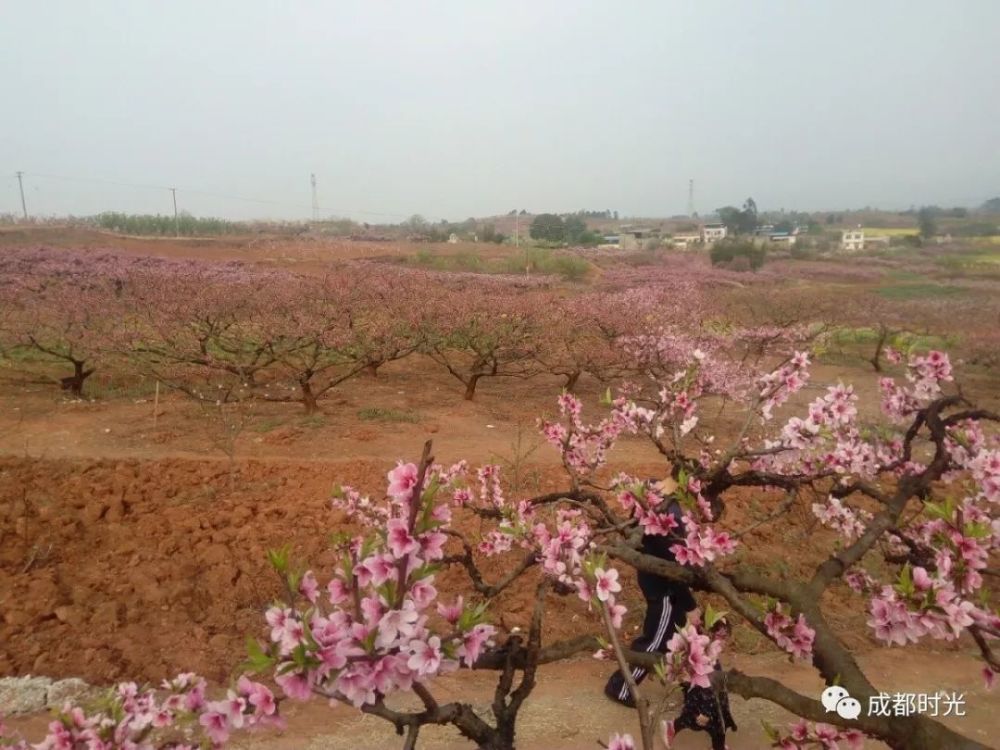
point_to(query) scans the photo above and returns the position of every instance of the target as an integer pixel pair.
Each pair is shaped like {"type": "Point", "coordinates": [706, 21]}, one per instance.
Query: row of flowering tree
{"type": "Point", "coordinates": [912, 499]}
{"type": "Point", "coordinates": [200, 325]}
{"type": "Point", "coordinates": [218, 330]}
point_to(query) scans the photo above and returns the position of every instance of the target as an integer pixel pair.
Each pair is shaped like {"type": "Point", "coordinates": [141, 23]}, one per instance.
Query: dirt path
{"type": "Point", "coordinates": [385, 418]}
{"type": "Point", "coordinates": [567, 711]}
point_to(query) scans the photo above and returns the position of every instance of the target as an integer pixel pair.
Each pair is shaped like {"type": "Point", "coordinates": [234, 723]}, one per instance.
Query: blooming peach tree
{"type": "Point", "coordinates": [179, 716]}
{"type": "Point", "coordinates": [378, 626]}
{"type": "Point", "coordinates": [920, 492]}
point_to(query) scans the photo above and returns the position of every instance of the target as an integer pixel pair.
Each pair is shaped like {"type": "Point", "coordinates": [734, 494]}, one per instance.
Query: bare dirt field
{"type": "Point", "coordinates": [132, 546]}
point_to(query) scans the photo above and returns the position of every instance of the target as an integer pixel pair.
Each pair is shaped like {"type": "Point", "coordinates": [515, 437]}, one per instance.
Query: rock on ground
{"type": "Point", "coordinates": [25, 695]}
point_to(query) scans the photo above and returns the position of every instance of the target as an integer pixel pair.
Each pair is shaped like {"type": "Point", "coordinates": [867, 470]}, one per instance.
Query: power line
{"type": "Point", "coordinates": [208, 194]}
{"type": "Point", "coordinates": [141, 186]}
{"type": "Point", "coordinates": [96, 179]}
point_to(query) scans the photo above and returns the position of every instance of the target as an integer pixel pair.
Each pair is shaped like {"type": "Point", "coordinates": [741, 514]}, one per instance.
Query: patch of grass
{"type": "Point", "coordinates": [451, 262]}
{"type": "Point", "coordinates": [922, 342]}
{"type": "Point", "coordinates": [905, 275]}
{"type": "Point", "coordinates": [537, 260]}
{"type": "Point", "coordinates": [853, 336]}
{"type": "Point", "coordinates": [979, 261]}
{"type": "Point", "coordinates": [18, 355]}
{"type": "Point", "coordinates": [378, 414]}
{"type": "Point", "coordinates": [266, 425]}
{"type": "Point", "coordinates": [570, 267]}
{"type": "Point", "coordinates": [544, 260]}
{"type": "Point", "coordinates": [919, 291]}
{"type": "Point", "coordinates": [101, 386]}
{"type": "Point", "coordinates": [313, 421]}
{"type": "Point", "coordinates": [904, 341]}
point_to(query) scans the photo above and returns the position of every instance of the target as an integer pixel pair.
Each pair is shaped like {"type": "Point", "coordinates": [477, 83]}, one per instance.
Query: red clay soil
{"type": "Point", "coordinates": [126, 568]}
{"type": "Point", "coordinates": [138, 569]}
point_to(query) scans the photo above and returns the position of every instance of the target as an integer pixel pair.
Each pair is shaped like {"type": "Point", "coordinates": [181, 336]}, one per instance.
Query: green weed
{"type": "Point", "coordinates": [378, 414]}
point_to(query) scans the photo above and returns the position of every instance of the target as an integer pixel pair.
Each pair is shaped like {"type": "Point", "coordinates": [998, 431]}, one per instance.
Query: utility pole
{"type": "Point", "coordinates": [312, 178]}
{"type": "Point", "coordinates": [20, 183]}
{"type": "Point", "coordinates": [177, 226]}
{"type": "Point", "coordinates": [691, 198]}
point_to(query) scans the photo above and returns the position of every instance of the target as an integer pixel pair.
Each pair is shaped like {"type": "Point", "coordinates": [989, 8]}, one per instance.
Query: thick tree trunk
{"type": "Point", "coordinates": [308, 397]}
{"type": "Point", "coordinates": [372, 368]}
{"type": "Point", "coordinates": [571, 380]}
{"type": "Point", "coordinates": [470, 387]}
{"type": "Point", "coordinates": [74, 383]}
{"type": "Point", "coordinates": [899, 733]}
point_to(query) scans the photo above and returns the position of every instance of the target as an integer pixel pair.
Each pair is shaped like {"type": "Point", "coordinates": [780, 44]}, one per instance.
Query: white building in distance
{"type": "Point", "coordinates": [852, 240]}
{"type": "Point", "coordinates": [685, 240]}
{"type": "Point", "coordinates": [713, 233]}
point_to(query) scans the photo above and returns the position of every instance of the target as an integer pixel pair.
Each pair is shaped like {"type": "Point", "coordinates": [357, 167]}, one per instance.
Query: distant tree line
{"type": "Point", "coordinates": [740, 221]}
{"type": "Point", "coordinates": [605, 214]}
{"type": "Point", "coordinates": [933, 220]}
{"type": "Point", "coordinates": [419, 228]}
{"type": "Point", "coordinates": [157, 224]}
{"type": "Point", "coordinates": [958, 212]}
{"type": "Point", "coordinates": [571, 230]}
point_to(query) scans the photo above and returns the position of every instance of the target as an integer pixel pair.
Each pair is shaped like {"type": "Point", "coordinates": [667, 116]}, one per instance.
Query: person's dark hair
{"type": "Point", "coordinates": [714, 502]}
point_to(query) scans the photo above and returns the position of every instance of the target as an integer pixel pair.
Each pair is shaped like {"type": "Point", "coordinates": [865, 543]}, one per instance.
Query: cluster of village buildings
{"type": "Point", "coordinates": [638, 238]}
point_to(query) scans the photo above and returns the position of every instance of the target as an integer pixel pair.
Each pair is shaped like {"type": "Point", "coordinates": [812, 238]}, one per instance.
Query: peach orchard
{"type": "Point", "coordinates": [913, 496]}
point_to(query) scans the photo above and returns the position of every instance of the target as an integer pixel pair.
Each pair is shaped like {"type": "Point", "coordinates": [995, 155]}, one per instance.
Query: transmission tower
{"type": "Point", "coordinates": [691, 198]}
{"type": "Point", "coordinates": [312, 179]}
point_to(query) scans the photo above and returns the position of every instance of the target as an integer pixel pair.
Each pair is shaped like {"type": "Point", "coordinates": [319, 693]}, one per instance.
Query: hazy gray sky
{"type": "Point", "coordinates": [463, 108]}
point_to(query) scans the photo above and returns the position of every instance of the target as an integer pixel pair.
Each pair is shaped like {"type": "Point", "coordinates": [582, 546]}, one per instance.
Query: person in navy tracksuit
{"type": "Point", "coordinates": [667, 606]}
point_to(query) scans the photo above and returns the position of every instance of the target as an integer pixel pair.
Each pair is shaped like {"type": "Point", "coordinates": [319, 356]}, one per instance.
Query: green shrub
{"type": "Point", "coordinates": [738, 255]}
{"type": "Point", "coordinates": [570, 267]}
{"type": "Point", "coordinates": [464, 261]}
